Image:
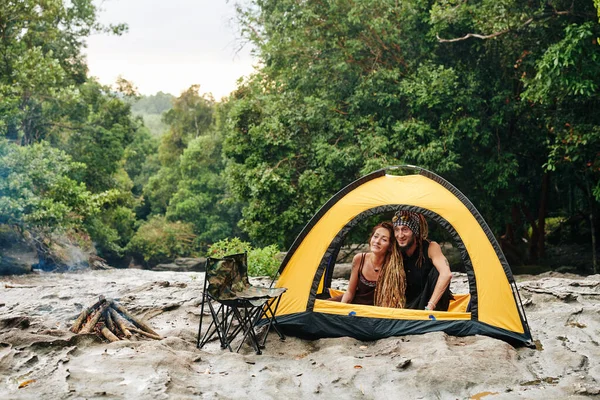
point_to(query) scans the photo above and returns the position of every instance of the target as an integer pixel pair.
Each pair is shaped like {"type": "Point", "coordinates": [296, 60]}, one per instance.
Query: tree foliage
{"type": "Point", "coordinates": [37, 189]}
{"type": "Point", "coordinates": [499, 97]}
{"type": "Point", "coordinates": [477, 92]}
{"type": "Point", "coordinates": [42, 63]}
{"type": "Point", "coordinates": [159, 240]}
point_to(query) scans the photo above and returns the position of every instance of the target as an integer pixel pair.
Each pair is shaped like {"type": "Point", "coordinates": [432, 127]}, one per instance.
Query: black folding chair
{"type": "Point", "coordinates": [239, 306]}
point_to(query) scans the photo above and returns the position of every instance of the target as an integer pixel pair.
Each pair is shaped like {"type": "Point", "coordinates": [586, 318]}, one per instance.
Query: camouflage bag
{"type": "Point", "coordinates": [227, 276]}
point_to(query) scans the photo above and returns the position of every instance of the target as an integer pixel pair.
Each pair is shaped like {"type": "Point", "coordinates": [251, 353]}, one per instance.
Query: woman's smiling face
{"type": "Point", "coordinates": [380, 241]}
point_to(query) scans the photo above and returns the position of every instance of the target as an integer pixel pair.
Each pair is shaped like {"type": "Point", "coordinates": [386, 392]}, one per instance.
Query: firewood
{"type": "Point", "coordinates": [142, 332]}
{"type": "Point", "coordinates": [108, 321]}
{"type": "Point", "coordinates": [108, 334]}
{"type": "Point", "coordinates": [9, 286]}
{"type": "Point", "coordinates": [84, 314]}
{"type": "Point", "coordinates": [120, 322]}
{"type": "Point", "coordinates": [138, 323]}
{"type": "Point", "coordinates": [94, 320]}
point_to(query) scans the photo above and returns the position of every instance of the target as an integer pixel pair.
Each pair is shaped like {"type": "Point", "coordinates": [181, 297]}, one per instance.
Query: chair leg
{"type": "Point", "coordinates": [200, 325]}
{"type": "Point", "coordinates": [272, 319]}
{"type": "Point", "coordinates": [248, 320]}
{"type": "Point", "coordinates": [226, 322]}
{"type": "Point", "coordinates": [219, 326]}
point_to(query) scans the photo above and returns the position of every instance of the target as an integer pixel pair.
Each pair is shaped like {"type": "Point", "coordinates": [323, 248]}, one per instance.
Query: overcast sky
{"type": "Point", "coordinates": [170, 45]}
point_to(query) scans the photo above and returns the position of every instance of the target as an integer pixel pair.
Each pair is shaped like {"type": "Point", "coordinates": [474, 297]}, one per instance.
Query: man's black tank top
{"type": "Point", "coordinates": [416, 277]}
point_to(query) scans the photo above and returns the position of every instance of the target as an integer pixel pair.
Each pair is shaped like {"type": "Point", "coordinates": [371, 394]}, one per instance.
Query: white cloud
{"type": "Point", "coordinates": [170, 46]}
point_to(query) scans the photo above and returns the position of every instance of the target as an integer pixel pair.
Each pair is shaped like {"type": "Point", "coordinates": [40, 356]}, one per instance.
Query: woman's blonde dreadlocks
{"type": "Point", "coordinates": [391, 285]}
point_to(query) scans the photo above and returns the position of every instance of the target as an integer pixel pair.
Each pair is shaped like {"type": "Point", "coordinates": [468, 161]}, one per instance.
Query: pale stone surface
{"type": "Point", "coordinates": [188, 264]}
{"type": "Point", "coordinates": [36, 346]}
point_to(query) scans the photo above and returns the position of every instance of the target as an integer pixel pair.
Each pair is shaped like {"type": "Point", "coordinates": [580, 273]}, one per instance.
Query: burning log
{"type": "Point", "coordinates": [84, 314]}
{"type": "Point", "coordinates": [141, 332]}
{"type": "Point", "coordinates": [112, 321]}
{"type": "Point", "coordinates": [120, 322]}
{"type": "Point", "coordinates": [109, 322]}
{"type": "Point", "coordinates": [130, 317]}
{"type": "Point", "coordinates": [108, 334]}
{"type": "Point", "coordinates": [89, 326]}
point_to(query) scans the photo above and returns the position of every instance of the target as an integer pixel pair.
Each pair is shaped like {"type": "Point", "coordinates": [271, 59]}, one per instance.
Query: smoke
{"type": "Point", "coordinates": [63, 252]}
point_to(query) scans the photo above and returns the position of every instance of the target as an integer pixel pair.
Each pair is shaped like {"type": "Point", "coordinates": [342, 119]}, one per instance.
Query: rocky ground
{"type": "Point", "coordinates": [41, 358]}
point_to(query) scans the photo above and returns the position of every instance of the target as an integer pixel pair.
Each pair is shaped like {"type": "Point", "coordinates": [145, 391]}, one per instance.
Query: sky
{"type": "Point", "coordinates": [170, 45]}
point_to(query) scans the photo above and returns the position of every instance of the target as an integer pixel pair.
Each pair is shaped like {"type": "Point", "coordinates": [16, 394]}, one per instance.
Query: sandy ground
{"type": "Point", "coordinates": [41, 358]}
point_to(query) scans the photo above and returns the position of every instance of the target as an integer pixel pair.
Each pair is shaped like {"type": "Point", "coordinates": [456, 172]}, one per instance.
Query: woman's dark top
{"type": "Point", "coordinates": [420, 281]}
{"type": "Point", "coordinates": [365, 289]}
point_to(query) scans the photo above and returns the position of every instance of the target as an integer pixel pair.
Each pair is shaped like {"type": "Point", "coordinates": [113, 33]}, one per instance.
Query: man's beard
{"type": "Point", "coordinates": [407, 245]}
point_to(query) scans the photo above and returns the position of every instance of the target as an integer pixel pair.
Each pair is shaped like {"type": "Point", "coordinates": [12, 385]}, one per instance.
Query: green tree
{"type": "Point", "coordinates": [154, 104]}
{"type": "Point", "coordinates": [190, 117]}
{"type": "Point", "coordinates": [102, 130]}
{"type": "Point", "coordinates": [42, 63]}
{"type": "Point", "coordinates": [345, 88]}
{"type": "Point", "coordinates": [151, 108]}
{"type": "Point", "coordinates": [40, 197]}
{"type": "Point", "coordinates": [37, 189]}
{"type": "Point", "coordinates": [201, 198]}
{"type": "Point", "coordinates": [335, 100]}
{"type": "Point", "coordinates": [158, 240]}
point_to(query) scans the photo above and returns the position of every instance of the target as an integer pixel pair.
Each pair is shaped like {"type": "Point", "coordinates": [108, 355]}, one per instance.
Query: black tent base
{"type": "Point", "coordinates": [312, 325]}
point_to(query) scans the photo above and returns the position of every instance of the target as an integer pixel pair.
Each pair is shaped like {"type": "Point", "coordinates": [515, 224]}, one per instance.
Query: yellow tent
{"type": "Point", "coordinates": [494, 306]}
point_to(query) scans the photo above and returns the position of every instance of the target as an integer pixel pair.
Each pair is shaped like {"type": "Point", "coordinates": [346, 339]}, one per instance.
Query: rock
{"type": "Point", "coordinates": [183, 265]}
{"type": "Point", "coordinates": [38, 310]}
{"type": "Point", "coordinates": [346, 253]}
{"type": "Point", "coordinates": [342, 271]}
{"type": "Point", "coordinates": [452, 254]}
{"type": "Point", "coordinates": [404, 363]}
{"type": "Point", "coordinates": [16, 257]}
{"type": "Point", "coordinates": [14, 266]}
{"type": "Point", "coordinates": [96, 262]}
{"type": "Point", "coordinates": [192, 264]}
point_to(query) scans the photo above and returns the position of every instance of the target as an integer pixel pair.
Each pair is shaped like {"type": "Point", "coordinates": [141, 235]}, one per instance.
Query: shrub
{"type": "Point", "coordinates": [159, 240]}
{"type": "Point", "coordinates": [261, 261]}
{"type": "Point", "coordinates": [264, 262]}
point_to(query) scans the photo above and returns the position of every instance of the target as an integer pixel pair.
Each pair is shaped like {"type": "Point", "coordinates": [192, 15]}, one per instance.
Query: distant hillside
{"type": "Point", "coordinates": [151, 108]}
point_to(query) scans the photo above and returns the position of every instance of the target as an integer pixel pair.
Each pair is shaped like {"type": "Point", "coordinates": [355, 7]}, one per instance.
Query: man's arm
{"type": "Point", "coordinates": [441, 264]}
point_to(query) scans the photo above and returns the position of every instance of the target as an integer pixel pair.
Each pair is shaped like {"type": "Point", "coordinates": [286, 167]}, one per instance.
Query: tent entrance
{"type": "Point", "coordinates": [324, 273]}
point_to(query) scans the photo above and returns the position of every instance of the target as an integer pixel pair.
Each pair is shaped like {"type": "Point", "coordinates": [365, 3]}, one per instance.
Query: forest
{"type": "Point", "coordinates": [499, 97]}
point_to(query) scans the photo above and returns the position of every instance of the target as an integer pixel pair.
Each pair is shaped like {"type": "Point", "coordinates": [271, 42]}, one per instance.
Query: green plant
{"type": "Point", "coordinates": [228, 246]}
{"type": "Point", "coordinates": [159, 240]}
{"type": "Point", "coordinates": [554, 223]}
{"type": "Point", "coordinates": [261, 261]}
{"type": "Point", "coordinates": [264, 261]}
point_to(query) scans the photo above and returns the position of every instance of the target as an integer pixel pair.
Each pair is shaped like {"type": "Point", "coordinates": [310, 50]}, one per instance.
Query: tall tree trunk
{"type": "Point", "coordinates": [592, 226]}
{"type": "Point", "coordinates": [538, 235]}
{"type": "Point", "coordinates": [511, 241]}
{"type": "Point", "coordinates": [541, 245]}
{"type": "Point", "coordinates": [594, 256]}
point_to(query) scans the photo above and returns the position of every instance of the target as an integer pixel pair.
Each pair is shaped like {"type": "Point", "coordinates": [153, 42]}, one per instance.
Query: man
{"type": "Point", "coordinates": [427, 270]}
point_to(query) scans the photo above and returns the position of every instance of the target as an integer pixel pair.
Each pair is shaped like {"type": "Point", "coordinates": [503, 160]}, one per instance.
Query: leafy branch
{"type": "Point", "coordinates": [502, 32]}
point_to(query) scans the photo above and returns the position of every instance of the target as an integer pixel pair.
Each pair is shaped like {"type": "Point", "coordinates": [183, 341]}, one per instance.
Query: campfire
{"type": "Point", "coordinates": [111, 320]}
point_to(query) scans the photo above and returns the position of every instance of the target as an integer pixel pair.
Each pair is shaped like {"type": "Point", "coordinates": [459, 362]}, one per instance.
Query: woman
{"type": "Point", "coordinates": [366, 267]}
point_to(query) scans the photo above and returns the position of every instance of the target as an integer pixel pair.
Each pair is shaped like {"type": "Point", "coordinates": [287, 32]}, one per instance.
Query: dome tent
{"type": "Point", "coordinates": [494, 306]}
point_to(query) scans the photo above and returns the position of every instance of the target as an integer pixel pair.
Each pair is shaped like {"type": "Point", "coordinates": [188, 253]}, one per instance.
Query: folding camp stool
{"type": "Point", "coordinates": [241, 306]}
